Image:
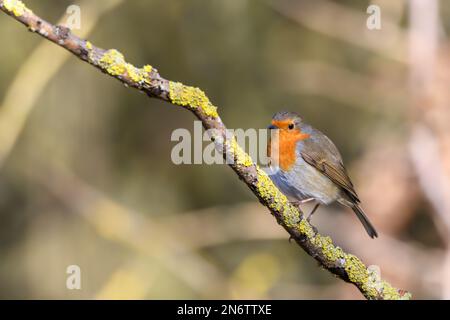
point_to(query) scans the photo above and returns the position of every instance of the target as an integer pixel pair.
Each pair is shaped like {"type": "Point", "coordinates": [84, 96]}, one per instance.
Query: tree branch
{"type": "Point", "coordinates": [147, 79]}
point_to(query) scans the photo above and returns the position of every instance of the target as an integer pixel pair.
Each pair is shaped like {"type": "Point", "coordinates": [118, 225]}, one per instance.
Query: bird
{"type": "Point", "coordinates": [306, 166]}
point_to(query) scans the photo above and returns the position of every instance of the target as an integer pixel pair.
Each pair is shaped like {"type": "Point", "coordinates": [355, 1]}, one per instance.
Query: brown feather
{"type": "Point", "coordinates": [329, 163]}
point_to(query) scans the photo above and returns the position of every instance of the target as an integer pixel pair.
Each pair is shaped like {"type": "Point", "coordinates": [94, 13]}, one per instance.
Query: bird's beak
{"type": "Point", "coordinates": [272, 127]}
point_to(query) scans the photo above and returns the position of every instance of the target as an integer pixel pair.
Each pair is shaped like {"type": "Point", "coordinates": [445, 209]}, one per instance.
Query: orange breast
{"type": "Point", "coordinates": [285, 149]}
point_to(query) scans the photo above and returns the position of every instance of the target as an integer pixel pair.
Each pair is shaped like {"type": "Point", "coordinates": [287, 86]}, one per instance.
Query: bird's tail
{"type": "Point", "coordinates": [361, 216]}
{"type": "Point", "coordinates": [364, 220]}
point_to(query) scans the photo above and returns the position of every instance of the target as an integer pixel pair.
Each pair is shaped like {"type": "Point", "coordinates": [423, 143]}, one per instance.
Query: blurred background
{"type": "Point", "coordinates": [86, 176]}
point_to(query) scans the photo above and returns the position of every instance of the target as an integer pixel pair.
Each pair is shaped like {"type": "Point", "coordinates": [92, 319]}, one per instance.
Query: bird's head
{"type": "Point", "coordinates": [286, 130]}
{"type": "Point", "coordinates": [289, 124]}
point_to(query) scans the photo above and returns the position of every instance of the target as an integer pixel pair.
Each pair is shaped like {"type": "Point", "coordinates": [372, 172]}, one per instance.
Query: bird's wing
{"type": "Point", "coordinates": [328, 163]}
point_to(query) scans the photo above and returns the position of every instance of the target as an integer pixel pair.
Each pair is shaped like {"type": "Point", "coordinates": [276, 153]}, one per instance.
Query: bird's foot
{"type": "Point", "coordinates": [312, 212]}
{"type": "Point", "coordinates": [312, 226]}
{"type": "Point", "coordinates": [297, 203]}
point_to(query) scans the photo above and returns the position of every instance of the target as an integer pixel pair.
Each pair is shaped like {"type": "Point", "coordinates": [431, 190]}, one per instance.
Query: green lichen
{"type": "Point", "coordinates": [89, 45]}
{"type": "Point", "coordinates": [192, 98]}
{"type": "Point", "coordinates": [16, 7]}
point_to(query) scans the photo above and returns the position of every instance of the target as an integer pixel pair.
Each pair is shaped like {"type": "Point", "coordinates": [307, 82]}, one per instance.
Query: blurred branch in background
{"type": "Point", "coordinates": [338, 21]}
{"type": "Point", "coordinates": [430, 101]}
{"type": "Point", "coordinates": [220, 226]}
{"type": "Point", "coordinates": [117, 223]}
{"type": "Point", "coordinates": [110, 219]}
{"type": "Point", "coordinates": [224, 226]}
{"type": "Point", "coordinates": [36, 72]}
{"type": "Point", "coordinates": [147, 79]}
{"type": "Point", "coordinates": [133, 280]}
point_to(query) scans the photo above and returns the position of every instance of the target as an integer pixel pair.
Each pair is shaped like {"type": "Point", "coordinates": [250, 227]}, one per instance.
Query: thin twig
{"type": "Point", "coordinates": [19, 100]}
{"type": "Point", "coordinates": [147, 79]}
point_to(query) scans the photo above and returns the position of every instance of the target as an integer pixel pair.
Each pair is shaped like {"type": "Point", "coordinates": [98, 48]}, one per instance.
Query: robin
{"type": "Point", "coordinates": [307, 166]}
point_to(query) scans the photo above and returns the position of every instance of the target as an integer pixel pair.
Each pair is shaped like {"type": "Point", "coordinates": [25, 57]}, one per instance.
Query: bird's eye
{"type": "Point", "coordinates": [291, 126]}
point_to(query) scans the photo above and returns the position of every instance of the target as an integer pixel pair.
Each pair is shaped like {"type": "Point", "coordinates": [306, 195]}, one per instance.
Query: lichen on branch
{"type": "Point", "coordinates": [192, 98]}
{"type": "Point", "coordinates": [16, 7]}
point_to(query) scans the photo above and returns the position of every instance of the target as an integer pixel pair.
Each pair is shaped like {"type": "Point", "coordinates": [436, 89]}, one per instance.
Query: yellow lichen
{"type": "Point", "coordinates": [370, 284]}
{"type": "Point", "coordinates": [276, 200]}
{"type": "Point", "coordinates": [134, 73]}
{"type": "Point", "coordinates": [148, 68]}
{"type": "Point", "coordinates": [305, 228]}
{"type": "Point", "coordinates": [356, 270]}
{"type": "Point", "coordinates": [241, 157]}
{"type": "Point", "coordinates": [405, 296]}
{"type": "Point", "coordinates": [391, 293]}
{"type": "Point", "coordinates": [331, 252]}
{"type": "Point", "coordinates": [88, 45]}
{"type": "Point", "coordinates": [146, 73]}
{"type": "Point", "coordinates": [17, 7]}
{"type": "Point", "coordinates": [358, 274]}
{"type": "Point", "coordinates": [192, 98]}
{"type": "Point", "coordinates": [114, 63]}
